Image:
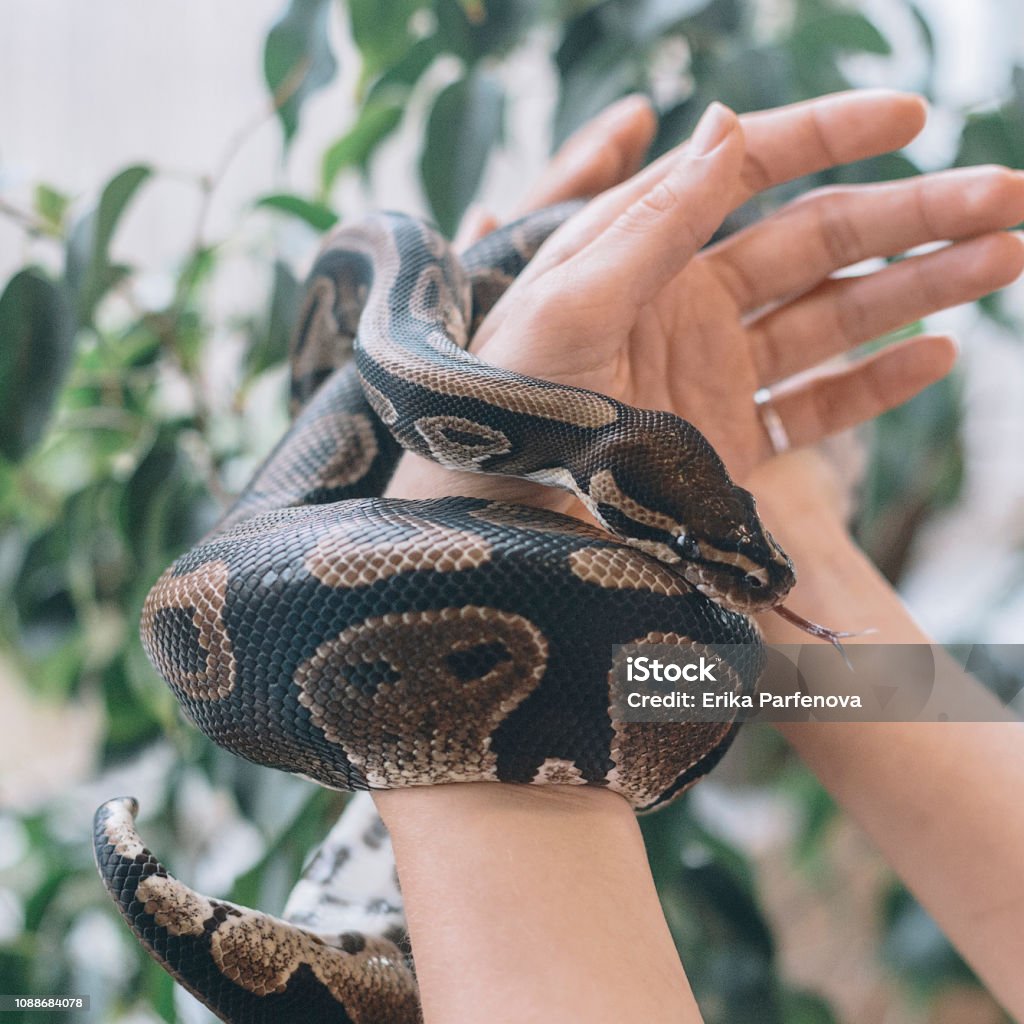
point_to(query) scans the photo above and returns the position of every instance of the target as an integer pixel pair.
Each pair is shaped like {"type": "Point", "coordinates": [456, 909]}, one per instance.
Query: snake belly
{"type": "Point", "coordinates": [370, 643]}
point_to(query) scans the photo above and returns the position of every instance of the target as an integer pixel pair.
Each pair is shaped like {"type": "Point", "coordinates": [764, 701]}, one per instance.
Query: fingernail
{"type": "Point", "coordinates": [712, 129]}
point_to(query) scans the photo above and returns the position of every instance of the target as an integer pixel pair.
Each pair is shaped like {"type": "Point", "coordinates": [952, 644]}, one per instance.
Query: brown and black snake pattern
{"type": "Point", "coordinates": [368, 643]}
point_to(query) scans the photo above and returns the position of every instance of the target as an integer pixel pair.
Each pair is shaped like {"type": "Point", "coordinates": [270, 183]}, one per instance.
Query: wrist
{"type": "Point", "coordinates": [802, 496]}
{"type": "Point", "coordinates": [802, 500]}
{"type": "Point", "coordinates": [417, 477]}
{"type": "Point", "coordinates": [416, 811]}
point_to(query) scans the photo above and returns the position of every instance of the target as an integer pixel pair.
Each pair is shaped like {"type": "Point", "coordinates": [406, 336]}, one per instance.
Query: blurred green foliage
{"type": "Point", "coordinates": [113, 459]}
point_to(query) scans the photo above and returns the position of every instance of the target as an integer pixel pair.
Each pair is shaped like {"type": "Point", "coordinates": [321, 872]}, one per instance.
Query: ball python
{"type": "Point", "coordinates": [369, 643]}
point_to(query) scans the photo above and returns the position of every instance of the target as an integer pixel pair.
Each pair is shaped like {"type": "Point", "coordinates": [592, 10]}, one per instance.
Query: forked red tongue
{"type": "Point", "coordinates": [833, 636]}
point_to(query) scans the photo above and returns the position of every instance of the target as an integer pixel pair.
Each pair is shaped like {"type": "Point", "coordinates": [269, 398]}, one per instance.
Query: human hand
{"type": "Point", "coordinates": [621, 301]}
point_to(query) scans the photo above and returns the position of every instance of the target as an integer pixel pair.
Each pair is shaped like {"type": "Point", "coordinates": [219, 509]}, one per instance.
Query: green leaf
{"type": "Point", "coordinates": [498, 25]}
{"type": "Point", "coordinates": [270, 344]}
{"type": "Point", "coordinates": [927, 36]}
{"type": "Point", "coordinates": [290, 843]}
{"type": "Point", "coordinates": [819, 812]}
{"type": "Point", "coordinates": [840, 31]}
{"type": "Point", "coordinates": [996, 136]}
{"type": "Point", "coordinates": [454, 30]}
{"type": "Point", "coordinates": [297, 59]}
{"type": "Point", "coordinates": [914, 943]}
{"type": "Point", "coordinates": [158, 479]}
{"type": "Point", "coordinates": [394, 85]}
{"type": "Point", "coordinates": [43, 898]}
{"type": "Point", "coordinates": [380, 29]}
{"type": "Point", "coordinates": [195, 272]}
{"type": "Point", "coordinates": [755, 78]}
{"type": "Point", "coordinates": [132, 721]}
{"type": "Point", "coordinates": [463, 126]}
{"type": "Point", "coordinates": [473, 29]}
{"type": "Point", "coordinates": [887, 167]}
{"type": "Point", "coordinates": [161, 987]}
{"type": "Point", "coordinates": [36, 337]}
{"type": "Point", "coordinates": [88, 270]}
{"type": "Point", "coordinates": [582, 34]}
{"type": "Point", "coordinates": [993, 306]}
{"type": "Point", "coordinates": [899, 497]}
{"type": "Point", "coordinates": [806, 1008]}
{"type": "Point", "coordinates": [720, 18]}
{"type": "Point", "coordinates": [316, 215]}
{"type": "Point", "coordinates": [707, 891]}
{"type": "Point", "coordinates": [602, 75]}
{"type": "Point", "coordinates": [356, 146]}
{"type": "Point", "coordinates": [51, 207]}
{"type": "Point", "coordinates": [113, 202]}
{"type": "Point", "coordinates": [647, 20]}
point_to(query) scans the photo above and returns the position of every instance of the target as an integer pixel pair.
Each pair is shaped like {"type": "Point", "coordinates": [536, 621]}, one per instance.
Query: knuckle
{"type": "Point", "coordinates": [756, 175]}
{"type": "Point", "coordinates": [852, 313]}
{"type": "Point", "coordinates": [837, 231]}
{"type": "Point", "coordinates": [933, 293]}
{"type": "Point", "coordinates": [649, 208]}
{"type": "Point", "coordinates": [822, 407]}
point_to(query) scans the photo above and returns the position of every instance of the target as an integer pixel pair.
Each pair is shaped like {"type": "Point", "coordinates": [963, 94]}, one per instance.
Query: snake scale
{"type": "Point", "coordinates": [370, 643]}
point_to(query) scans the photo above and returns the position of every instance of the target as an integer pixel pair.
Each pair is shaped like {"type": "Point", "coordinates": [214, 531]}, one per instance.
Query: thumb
{"type": "Point", "coordinates": [653, 237]}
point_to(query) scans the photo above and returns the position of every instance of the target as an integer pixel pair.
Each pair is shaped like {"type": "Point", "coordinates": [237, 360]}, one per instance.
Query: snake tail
{"type": "Point", "coordinates": [242, 964]}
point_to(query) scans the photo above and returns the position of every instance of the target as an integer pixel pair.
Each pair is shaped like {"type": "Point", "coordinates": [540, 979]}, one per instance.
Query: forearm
{"type": "Point", "coordinates": [530, 903]}
{"type": "Point", "coordinates": [942, 801]}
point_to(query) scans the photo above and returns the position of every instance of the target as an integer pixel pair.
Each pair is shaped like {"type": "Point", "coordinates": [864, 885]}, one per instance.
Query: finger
{"type": "Point", "coordinates": [604, 152]}
{"type": "Point", "coordinates": [475, 224]}
{"type": "Point", "coordinates": [654, 237]}
{"type": "Point", "coordinates": [845, 312]}
{"type": "Point", "coordinates": [803, 138]}
{"type": "Point", "coordinates": [788, 142]}
{"type": "Point", "coordinates": [831, 228]}
{"type": "Point", "coordinates": [824, 403]}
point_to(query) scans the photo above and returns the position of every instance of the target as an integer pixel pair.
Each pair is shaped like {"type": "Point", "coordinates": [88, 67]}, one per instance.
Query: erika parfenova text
{"type": "Point", "coordinates": [703, 670]}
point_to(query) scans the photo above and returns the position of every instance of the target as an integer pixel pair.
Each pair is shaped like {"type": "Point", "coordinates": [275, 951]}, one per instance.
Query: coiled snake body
{"type": "Point", "coordinates": [369, 643]}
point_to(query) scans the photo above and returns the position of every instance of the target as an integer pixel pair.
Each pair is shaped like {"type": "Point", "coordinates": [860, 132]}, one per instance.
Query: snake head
{"type": "Point", "coordinates": [682, 507]}
{"type": "Point", "coordinates": [725, 552]}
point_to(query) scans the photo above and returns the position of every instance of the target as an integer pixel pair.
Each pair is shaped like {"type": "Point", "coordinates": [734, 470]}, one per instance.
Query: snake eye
{"type": "Point", "coordinates": [754, 582]}
{"type": "Point", "coordinates": [688, 547]}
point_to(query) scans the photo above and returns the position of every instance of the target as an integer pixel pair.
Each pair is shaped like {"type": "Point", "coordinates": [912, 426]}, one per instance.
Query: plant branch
{"type": "Point", "coordinates": [28, 221]}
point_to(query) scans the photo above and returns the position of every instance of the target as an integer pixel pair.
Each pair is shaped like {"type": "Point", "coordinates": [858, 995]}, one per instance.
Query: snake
{"type": "Point", "coordinates": [370, 643]}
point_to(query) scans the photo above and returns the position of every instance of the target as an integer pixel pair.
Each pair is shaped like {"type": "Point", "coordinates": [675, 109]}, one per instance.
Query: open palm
{"type": "Point", "coordinates": [627, 300]}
